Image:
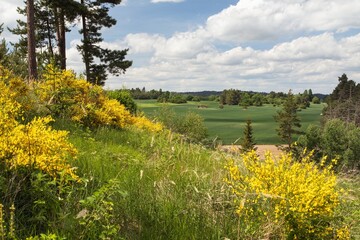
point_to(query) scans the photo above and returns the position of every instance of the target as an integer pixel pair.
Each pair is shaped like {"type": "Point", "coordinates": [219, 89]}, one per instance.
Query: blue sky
{"type": "Point", "coordinates": [259, 45]}
{"type": "Point", "coordinates": [165, 17]}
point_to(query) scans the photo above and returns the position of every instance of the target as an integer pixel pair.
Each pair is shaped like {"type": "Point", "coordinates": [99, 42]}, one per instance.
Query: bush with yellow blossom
{"type": "Point", "coordinates": [35, 174]}
{"type": "Point", "coordinates": [33, 145]}
{"type": "Point", "coordinates": [67, 96]}
{"type": "Point", "coordinates": [290, 199]}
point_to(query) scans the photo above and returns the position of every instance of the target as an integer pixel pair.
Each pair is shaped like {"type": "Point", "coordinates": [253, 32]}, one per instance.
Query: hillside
{"type": "Point", "coordinates": [78, 165]}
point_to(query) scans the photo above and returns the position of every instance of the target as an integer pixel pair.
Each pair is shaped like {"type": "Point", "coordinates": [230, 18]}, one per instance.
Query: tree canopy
{"type": "Point", "coordinates": [289, 122]}
{"type": "Point", "coordinates": [344, 102]}
{"type": "Point", "coordinates": [52, 19]}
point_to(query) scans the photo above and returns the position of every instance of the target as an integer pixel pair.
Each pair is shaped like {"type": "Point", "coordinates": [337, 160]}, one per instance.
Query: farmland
{"type": "Point", "coordinates": [227, 124]}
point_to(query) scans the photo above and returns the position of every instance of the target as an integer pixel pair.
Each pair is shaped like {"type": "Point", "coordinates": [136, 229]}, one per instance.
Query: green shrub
{"type": "Point", "coordinates": [336, 139]}
{"type": "Point", "coordinates": [191, 125]}
{"type": "Point", "coordinates": [124, 97]}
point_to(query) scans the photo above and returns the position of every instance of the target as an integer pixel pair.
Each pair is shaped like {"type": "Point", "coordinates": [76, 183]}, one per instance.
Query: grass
{"type": "Point", "coordinates": [169, 189]}
{"type": "Point", "coordinates": [227, 124]}
{"type": "Point", "coordinates": [351, 202]}
{"type": "Point", "coordinates": [173, 190]}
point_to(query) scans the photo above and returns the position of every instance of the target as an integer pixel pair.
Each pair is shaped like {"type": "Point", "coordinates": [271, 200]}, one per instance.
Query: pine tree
{"type": "Point", "coordinates": [99, 61]}
{"type": "Point", "coordinates": [3, 49]}
{"type": "Point", "coordinates": [51, 18]}
{"type": "Point", "coordinates": [289, 122]}
{"type": "Point", "coordinates": [344, 102]}
{"type": "Point", "coordinates": [248, 142]}
{"type": "Point", "coordinates": [12, 59]}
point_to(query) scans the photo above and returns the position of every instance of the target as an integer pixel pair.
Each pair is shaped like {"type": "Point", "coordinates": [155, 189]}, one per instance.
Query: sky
{"type": "Point", "coordinates": [251, 45]}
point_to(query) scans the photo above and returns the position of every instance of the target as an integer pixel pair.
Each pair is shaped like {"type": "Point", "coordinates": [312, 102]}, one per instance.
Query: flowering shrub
{"type": "Point", "coordinates": [34, 145]}
{"type": "Point", "coordinates": [141, 122]}
{"type": "Point", "coordinates": [297, 195]}
{"type": "Point", "coordinates": [88, 104]}
{"type": "Point", "coordinates": [19, 89]}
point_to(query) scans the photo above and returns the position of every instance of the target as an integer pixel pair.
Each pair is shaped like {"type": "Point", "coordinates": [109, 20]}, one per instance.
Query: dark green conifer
{"type": "Point", "coordinates": [248, 142]}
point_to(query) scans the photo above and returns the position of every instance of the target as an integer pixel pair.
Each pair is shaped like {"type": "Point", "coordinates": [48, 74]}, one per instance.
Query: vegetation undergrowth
{"type": "Point", "coordinates": [125, 177]}
{"type": "Point", "coordinates": [172, 189]}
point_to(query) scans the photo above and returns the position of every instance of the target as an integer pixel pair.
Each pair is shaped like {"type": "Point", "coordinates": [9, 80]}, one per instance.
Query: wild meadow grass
{"type": "Point", "coordinates": [112, 175]}
{"type": "Point", "coordinates": [173, 190]}
{"type": "Point", "coordinates": [350, 208]}
{"type": "Point", "coordinates": [170, 189]}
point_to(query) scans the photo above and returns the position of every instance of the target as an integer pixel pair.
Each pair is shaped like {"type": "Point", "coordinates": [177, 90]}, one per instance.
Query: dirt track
{"type": "Point", "coordinates": [261, 149]}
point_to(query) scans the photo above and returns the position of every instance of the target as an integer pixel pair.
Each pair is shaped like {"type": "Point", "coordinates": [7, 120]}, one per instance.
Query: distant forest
{"type": "Point", "coordinates": [226, 97]}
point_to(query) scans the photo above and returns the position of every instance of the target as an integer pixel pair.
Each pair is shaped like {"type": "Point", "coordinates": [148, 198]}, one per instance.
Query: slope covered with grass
{"type": "Point", "coordinates": [89, 169]}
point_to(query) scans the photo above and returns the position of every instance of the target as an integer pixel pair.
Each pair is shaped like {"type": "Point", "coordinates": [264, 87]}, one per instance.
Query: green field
{"type": "Point", "coordinates": [227, 124]}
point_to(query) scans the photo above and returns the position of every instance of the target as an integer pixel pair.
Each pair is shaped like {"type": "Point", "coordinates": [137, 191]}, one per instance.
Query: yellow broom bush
{"type": "Point", "coordinates": [33, 145]}
{"type": "Point", "coordinates": [85, 103]}
{"type": "Point", "coordinates": [296, 196]}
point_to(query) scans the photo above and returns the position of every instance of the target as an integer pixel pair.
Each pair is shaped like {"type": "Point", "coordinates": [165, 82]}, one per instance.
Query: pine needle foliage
{"type": "Point", "coordinates": [289, 122]}
{"type": "Point", "coordinates": [248, 143]}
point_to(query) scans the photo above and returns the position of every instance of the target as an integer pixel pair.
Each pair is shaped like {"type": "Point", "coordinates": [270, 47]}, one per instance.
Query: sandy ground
{"type": "Point", "coordinates": [261, 149]}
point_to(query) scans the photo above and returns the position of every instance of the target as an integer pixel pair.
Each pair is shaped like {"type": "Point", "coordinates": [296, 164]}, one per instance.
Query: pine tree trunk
{"type": "Point", "coordinates": [60, 35]}
{"type": "Point", "coordinates": [32, 68]}
{"type": "Point", "coordinates": [62, 43]}
{"type": "Point", "coordinates": [85, 45]}
{"type": "Point", "coordinates": [50, 47]}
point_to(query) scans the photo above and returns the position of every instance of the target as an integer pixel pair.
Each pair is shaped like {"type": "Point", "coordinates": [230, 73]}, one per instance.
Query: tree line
{"type": "Point", "coordinates": [42, 38]}
{"type": "Point", "coordinates": [228, 97]}
{"type": "Point", "coordinates": [245, 99]}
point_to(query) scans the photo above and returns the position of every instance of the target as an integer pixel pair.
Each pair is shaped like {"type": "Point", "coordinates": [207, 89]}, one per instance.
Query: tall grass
{"type": "Point", "coordinates": [173, 190]}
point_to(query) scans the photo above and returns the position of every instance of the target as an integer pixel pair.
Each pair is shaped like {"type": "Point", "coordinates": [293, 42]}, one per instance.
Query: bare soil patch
{"type": "Point", "coordinates": [261, 149]}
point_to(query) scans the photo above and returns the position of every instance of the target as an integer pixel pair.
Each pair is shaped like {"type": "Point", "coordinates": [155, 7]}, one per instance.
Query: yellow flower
{"type": "Point", "coordinates": [297, 191]}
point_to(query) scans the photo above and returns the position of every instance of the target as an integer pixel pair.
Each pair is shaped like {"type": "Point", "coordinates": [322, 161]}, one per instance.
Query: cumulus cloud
{"type": "Point", "coordinates": [314, 61]}
{"type": "Point", "coordinates": [183, 45]}
{"type": "Point", "coordinates": [143, 42]}
{"type": "Point", "coordinates": [261, 20]}
{"type": "Point", "coordinates": [322, 46]}
{"type": "Point", "coordinates": [74, 58]}
{"type": "Point", "coordinates": [8, 12]}
{"type": "Point", "coordinates": [191, 61]}
{"type": "Point", "coordinates": [9, 15]}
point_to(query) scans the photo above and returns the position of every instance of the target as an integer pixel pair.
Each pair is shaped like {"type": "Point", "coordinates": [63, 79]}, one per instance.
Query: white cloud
{"type": "Point", "coordinates": [322, 46]}
{"type": "Point", "coordinates": [183, 45]}
{"type": "Point", "coordinates": [261, 20]}
{"type": "Point", "coordinates": [124, 3]}
{"type": "Point", "coordinates": [74, 58]}
{"type": "Point", "coordinates": [8, 12]}
{"type": "Point", "coordinates": [306, 62]}
{"type": "Point", "coordinates": [9, 16]}
{"type": "Point", "coordinates": [143, 42]}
